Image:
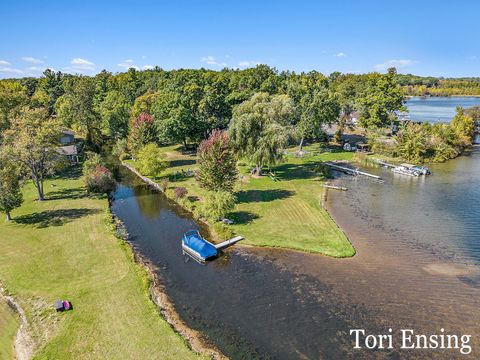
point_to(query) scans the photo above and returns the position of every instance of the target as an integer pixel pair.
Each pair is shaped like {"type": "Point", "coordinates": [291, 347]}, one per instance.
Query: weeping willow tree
{"type": "Point", "coordinates": [259, 129]}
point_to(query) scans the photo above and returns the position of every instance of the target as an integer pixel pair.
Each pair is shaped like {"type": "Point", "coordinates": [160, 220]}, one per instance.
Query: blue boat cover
{"type": "Point", "coordinates": [194, 241]}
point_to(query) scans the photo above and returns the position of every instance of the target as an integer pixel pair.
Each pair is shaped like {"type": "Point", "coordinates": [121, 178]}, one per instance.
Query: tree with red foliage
{"type": "Point", "coordinates": [142, 132]}
{"type": "Point", "coordinates": [217, 164]}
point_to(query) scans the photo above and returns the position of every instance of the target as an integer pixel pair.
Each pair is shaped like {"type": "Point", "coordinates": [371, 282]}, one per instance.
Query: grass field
{"type": "Point", "coordinates": [62, 249]}
{"type": "Point", "coordinates": [283, 212]}
{"type": "Point", "coordinates": [8, 328]}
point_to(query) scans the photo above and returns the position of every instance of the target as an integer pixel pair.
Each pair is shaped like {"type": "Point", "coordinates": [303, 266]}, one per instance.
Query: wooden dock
{"type": "Point", "coordinates": [227, 243]}
{"type": "Point", "coordinates": [383, 163]}
{"type": "Point", "coordinates": [351, 171]}
{"type": "Point", "coordinates": [342, 188]}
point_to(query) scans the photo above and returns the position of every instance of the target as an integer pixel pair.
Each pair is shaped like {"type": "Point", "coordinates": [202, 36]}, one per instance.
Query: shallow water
{"type": "Point", "coordinates": [438, 109]}
{"type": "Point", "coordinates": [438, 213]}
{"type": "Point", "coordinates": [261, 303]}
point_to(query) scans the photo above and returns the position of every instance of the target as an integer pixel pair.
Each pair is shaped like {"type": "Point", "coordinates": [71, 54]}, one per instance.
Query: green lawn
{"type": "Point", "coordinates": [8, 328]}
{"type": "Point", "coordinates": [284, 213]}
{"type": "Point", "coordinates": [62, 249]}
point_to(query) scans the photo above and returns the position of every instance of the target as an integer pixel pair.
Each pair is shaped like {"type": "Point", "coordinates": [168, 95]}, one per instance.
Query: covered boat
{"type": "Point", "coordinates": [197, 247]}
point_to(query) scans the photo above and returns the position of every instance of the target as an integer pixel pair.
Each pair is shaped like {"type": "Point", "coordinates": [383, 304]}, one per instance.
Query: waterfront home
{"type": "Point", "coordinates": [70, 152]}
{"type": "Point", "coordinates": [67, 137]}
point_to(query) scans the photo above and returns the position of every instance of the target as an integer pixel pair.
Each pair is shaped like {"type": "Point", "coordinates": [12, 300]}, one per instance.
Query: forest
{"type": "Point", "coordinates": [262, 110]}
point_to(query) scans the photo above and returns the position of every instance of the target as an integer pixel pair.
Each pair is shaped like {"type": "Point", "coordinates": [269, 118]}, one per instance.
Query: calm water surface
{"type": "Point", "coordinates": [417, 266]}
{"type": "Point", "coordinates": [438, 109]}
{"type": "Point", "coordinates": [440, 212]}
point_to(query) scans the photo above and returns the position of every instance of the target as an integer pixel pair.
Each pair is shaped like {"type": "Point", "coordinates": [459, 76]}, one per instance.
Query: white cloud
{"type": "Point", "coordinates": [340, 54]}
{"type": "Point", "coordinates": [211, 60]}
{"type": "Point", "coordinates": [9, 70]}
{"type": "Point", "coordinates": [34, 68]}
{"type": "Point", "coordinates": [81, 62]}
{"type": "Point", "coordinates": [127, 64]}
{"type": "Point", "coordinates": [147, 67]}
{"type": "Point", "coordinates": [4, 63]}
{"type": "Point", "coordinates": [80, 66]}
{"type": "Point", "coordinates": [394, 63]}
{"type": "Point", "coordinates": [246, 64]}
{"type": "Point", "coordinates": [32, 60]}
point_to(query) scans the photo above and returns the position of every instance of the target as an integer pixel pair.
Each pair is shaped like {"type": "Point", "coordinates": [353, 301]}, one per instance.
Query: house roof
{"type": "Point", "coordinates": [68, 132]}
{"type": "Point", "coordinates": [68, 150]}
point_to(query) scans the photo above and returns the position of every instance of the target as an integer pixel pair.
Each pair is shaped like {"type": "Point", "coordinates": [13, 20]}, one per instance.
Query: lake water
{"type": "Point", "coordinates": [417, 266]}
{"type": "Point", "coordinates": [438, 109]}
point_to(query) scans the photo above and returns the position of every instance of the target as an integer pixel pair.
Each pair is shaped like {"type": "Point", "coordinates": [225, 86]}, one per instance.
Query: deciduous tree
{"type": "Point", "coordinates": [10, 193]}
{"type": "Point", "coordinates": [217, 166]}
{"type": "Point", "coordinates": [32, 142]}
{"type": "Point", "coordinates": [257, 130]}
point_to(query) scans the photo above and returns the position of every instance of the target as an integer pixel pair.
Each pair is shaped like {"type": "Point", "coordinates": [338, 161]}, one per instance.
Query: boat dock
{"type": "Point", "coordinates": [351, 171]}
{"type": "Point", "coordinates": [342, 188]}
{"type": "Point", "coordinates": [383, 163]}
{"type": "Point", "coordinates": [227, 243]}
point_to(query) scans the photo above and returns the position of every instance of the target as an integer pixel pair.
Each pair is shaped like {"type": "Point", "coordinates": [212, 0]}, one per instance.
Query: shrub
{"type": "Point", "coordinates": [218, 204]}
{"type": "Point", "coordinates": [323, 171]}
{"type": "Point", "coordinates": [151, 160]}
{"type": "Point", "coordinates": [179, 193]}
{"type": "Point", "coordinates": [222, 231]}
{"type": "Point", "coordinates": [164, 184]}
{"type": "Point", "coordinates": [90, 164]}
{"type": "Point", "coordinates": [100, 180]}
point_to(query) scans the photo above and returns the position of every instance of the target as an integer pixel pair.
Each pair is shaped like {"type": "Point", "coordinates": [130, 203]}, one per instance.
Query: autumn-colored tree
{"type": "Point", "coordinates": [217, 168]}
{"type": "Point", "coordinates": [100, 180]}
{"type": "Point", "coordinates": [142, 132]}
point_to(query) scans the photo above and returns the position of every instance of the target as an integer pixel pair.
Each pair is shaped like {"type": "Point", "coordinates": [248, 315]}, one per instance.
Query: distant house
{"type": "Point", "coordinates": [67, 137]}
{"type": "Point", "coordinates": [68, 147]}
{"type": "Point", "coordinates": [70, 152]}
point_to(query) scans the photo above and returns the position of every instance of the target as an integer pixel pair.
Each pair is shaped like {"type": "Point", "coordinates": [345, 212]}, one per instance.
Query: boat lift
{"type": "Point", "coordinates": [200, 249]}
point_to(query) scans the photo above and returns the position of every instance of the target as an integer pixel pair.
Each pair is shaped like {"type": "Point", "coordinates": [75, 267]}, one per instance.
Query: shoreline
{"type": "Point", "coordinates": [166, 307]}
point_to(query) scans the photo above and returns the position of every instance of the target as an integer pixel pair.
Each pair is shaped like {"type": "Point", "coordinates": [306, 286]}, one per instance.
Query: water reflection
{"type": "Point", "coordinates": [150, 209]}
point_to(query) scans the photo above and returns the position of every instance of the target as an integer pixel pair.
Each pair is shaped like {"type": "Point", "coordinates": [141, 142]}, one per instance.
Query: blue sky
{"type": "Point", "coordinates": [439, 38]}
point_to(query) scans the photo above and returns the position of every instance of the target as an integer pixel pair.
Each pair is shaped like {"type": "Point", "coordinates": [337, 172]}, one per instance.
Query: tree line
{"type": "Point", "coordinates": [433, 86]}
